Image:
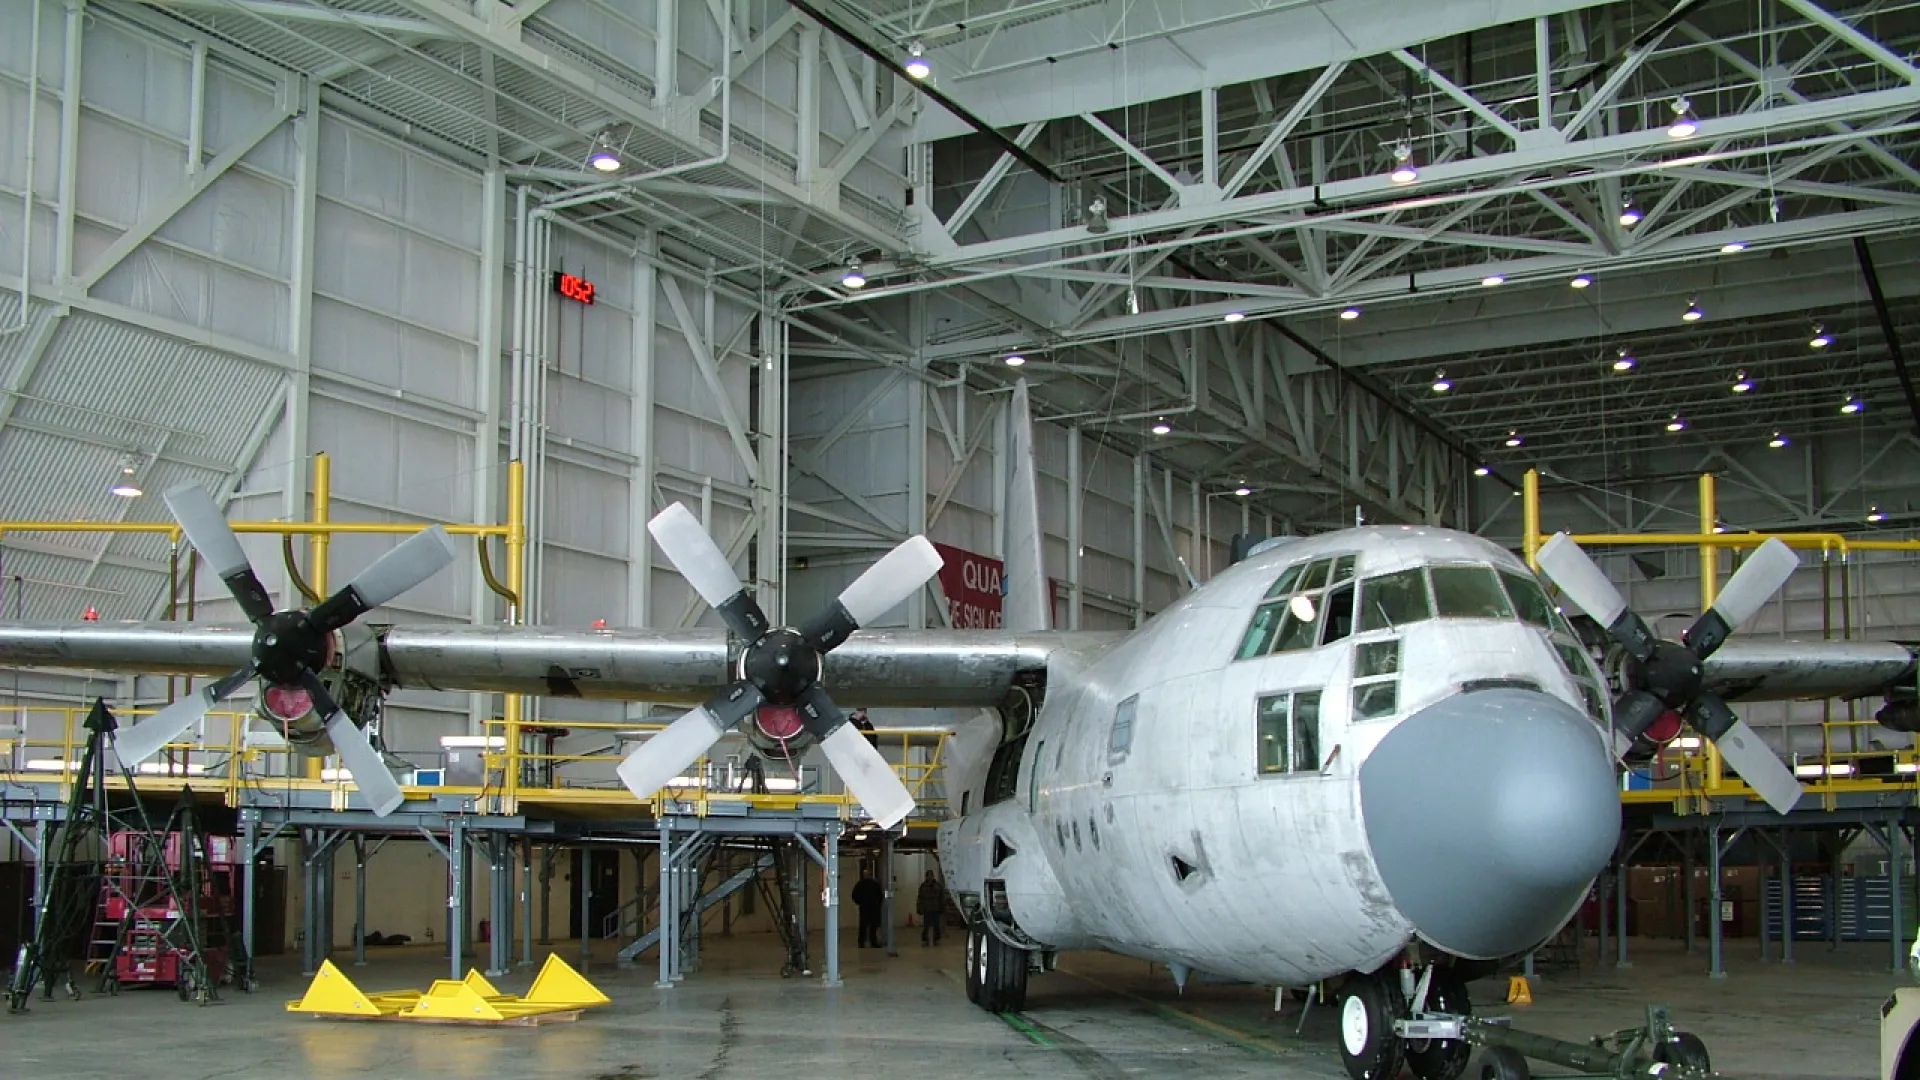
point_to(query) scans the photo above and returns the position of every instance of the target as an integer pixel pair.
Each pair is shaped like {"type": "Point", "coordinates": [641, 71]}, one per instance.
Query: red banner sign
{"type": "Point", "coordinates": [973, 585]}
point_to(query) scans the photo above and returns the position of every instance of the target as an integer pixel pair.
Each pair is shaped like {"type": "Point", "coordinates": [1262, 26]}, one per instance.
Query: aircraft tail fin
{"type": "Point", "coordinates": [1028, 604]}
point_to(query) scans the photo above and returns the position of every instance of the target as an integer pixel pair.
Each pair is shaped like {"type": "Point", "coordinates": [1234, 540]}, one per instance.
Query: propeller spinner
{"type": "Point", "coordinates": [1667, 675]}
{"type": "Point", "coordinates": [290, 646]}
{"type": "Point", "coordinates": [781, 666]}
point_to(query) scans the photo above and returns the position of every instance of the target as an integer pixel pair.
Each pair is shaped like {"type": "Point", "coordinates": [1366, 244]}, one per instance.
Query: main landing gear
{"type": "Point", "coordinates": [996, 972]}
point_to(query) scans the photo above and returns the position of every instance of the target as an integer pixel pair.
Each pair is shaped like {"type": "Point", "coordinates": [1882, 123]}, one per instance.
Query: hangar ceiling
{"type": "Point", "coordinates": [1167, 207]}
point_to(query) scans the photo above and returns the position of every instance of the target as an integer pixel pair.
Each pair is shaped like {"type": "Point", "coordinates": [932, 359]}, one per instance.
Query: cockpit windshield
{"type": "Point", "coordinates": [1313, 603]}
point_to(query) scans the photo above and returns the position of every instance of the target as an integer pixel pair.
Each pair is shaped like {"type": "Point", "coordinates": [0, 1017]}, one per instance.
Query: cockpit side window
{"type": "Point", "coordinates": [1529, 599]}
{"type": "Point", "coordinates": [1469, 592]}
{"type": "Point", "coordinates": [1283, 585]}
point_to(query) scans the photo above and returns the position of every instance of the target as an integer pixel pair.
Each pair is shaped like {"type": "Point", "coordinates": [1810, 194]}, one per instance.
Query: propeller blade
{"type": "Point", "coordinates": [411, 562]}
{"type": "Point", "coordinates": [891, 580]}
{"type": "Point", "coordinates": [1587, 586]}
{"type": "Point", "coordinates": [207, 530]}
{"type": "Point", "coordinates": [1742, 747]}
{"type": "Point", "coordinates": [660, 758]}
{"type": "Point", "coordinates": [1751, 586]}
{"type": "Point", "coordinates": [138, 743]}
{"type": "Point", "coordinates": [699, 560]}
{"type": "Point", "coordinates": [362, 761]}
{"type": "Point", "coordinates": [858, 762]}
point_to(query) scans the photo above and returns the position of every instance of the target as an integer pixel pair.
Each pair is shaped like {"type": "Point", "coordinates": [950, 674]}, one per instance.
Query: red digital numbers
{"type": "Point", "coordinates": [573, 288]}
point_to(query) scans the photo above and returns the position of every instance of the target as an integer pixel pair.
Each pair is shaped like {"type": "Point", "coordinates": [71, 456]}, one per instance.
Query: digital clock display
{"type": "Point", "coordinates": [573, 287]}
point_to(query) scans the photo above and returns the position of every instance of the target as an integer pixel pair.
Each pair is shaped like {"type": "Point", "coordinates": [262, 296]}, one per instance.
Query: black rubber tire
{"type": "Point", "coordinates": [1368, 1006]}
{"type": "Point", "coordinates": [1503, 1063]}
{"type": "Point", "coordinates": [975, 964]}
{"type": "Point", "coordinates": [1686, 1051]}
{"type": "Point", "coordinates": [1442, 1059]}
{"type": "Point", "coordinates": [1004, 987]}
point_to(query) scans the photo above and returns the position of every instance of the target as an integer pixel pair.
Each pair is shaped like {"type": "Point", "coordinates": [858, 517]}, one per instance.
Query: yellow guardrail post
{"type": "Point", "coordinates": [1530, 517]}
{"type": "Point", "coordinates": [1709, 591]}
{"type": "Point", "coordinates": [516, 584]}
{"type": "Point", "coordinates": [319, 550]}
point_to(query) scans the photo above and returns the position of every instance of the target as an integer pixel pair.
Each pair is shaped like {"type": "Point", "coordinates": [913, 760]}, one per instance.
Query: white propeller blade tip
{"type": "Point", "coordinates": [692, 552]}
{"type": "Point", "coordinates": [891, 580]}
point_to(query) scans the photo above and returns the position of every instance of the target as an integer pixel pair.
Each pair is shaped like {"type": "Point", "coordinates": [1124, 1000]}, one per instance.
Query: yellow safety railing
{"type": "Point", "coordinates": [52, 740]}
{"type": "Point", "coordinates": [1691, 777]}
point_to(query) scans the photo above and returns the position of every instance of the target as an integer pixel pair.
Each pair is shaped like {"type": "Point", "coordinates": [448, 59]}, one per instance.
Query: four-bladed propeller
{"type": "Point", "coordinates": [780, 666]}
{"type": "Point", "coordinates": [1666, 675]}
{"type": "Point", "coordinates": [290, 646]}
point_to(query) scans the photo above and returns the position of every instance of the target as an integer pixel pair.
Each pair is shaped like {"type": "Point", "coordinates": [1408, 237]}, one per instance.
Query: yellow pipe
{"type": "Point", "coordinates": [1530, 517]}
{"type": "Point", "coordinates": [517, 585]}
{"type": "Point", "coordinates": [319, 550]}
{"type": "Point", "coordinates": [1709, 589]}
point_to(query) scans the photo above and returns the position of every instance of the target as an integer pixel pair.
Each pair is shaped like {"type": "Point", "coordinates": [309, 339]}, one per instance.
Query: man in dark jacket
{"type": "Point", "coordinates": [868, 897]}
{"type": "Point", "coordinates": [932, 907]}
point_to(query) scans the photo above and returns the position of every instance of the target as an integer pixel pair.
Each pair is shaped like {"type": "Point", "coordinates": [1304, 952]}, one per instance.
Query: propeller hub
{"type": "Point", "coordinates": [782, 665]}
{"type": "Point", "coordinates": [1672, 673]}
{"type": "Point", "coordinates": [285, 643]}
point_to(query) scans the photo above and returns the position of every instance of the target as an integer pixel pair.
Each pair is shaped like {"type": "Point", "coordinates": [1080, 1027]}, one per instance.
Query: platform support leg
{"type": "Point", "coordinates": [500, 900]}
{"type": "Point", "coordinates": [667, 920]}
{"type": "Point", "coordinates": [886, 904]}
{"type": "Point", "coordinates": [359, 901]}
{"type": "Point", "coordinates": [1687, 896]}
{"type": "Point", "coordinates": [457, 896]}
{"type": "Point", "coordinates": [831, 907]}
{"type": "Point", "coordinates": [1715, 970]}
{"type": "Point", "coordinates": [248, 887]}
{"type": "Point", "coordinates": [526, 901]}
{"type": "Point", "coordinates": [1786, 897]}
{"type": "Point", "coordinates": [1620, 910]}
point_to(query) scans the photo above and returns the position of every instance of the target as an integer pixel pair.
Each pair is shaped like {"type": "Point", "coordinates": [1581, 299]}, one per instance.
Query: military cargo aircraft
{"type": "Point", "coordinates": [1379, 756]}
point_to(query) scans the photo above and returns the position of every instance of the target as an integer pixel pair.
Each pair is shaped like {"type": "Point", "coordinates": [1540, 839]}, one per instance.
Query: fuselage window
{"type": "Point", "coordinates": [1289, 732]}
{"type": "Point", "coordinates": [1339, 613]}
{"type": "Point", "coordinates": [1260, 632]}
{"type": "Point", "coordinates": [1394, 599]}
{"type": "Point", "coordinates": [1121, 739]}
{"type": "Point", "coordinates": [1283, 584]}
{"type": "Point", "coordinates": [1581, 668]}
{"type": "Point", "coordinates": [1469, 592]}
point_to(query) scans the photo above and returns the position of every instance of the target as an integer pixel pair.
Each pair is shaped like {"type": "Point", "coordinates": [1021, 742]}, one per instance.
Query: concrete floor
{"type": "Point", "coordinates": [1101, 1017]}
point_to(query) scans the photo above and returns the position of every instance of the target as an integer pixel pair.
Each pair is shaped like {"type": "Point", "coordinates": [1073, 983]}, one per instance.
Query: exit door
{"type": "Point", "coordinates": [603, 877]}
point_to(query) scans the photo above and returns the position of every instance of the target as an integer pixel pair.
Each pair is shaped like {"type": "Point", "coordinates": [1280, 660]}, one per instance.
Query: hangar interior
{"type": "Point", "coordinates": [536, 270]}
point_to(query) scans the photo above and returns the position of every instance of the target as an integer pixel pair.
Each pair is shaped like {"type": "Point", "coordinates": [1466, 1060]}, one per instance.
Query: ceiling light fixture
{"type": "Point", "coordinates": [917, 65]}
{"type": "Point", "coordinates": [1243, 491]}
{"type": "Point", "coordinates": [854, 278]}
{"type": "Point", "coordinates": [1513, 438]}
{"type": "Point", "coordinates": [1350, 314]}
{"type": "Point", "coordinates": [1875, 516]}
{"type": "Point", "coordinates": [1676, 424]}
{"type": "Point", "coordinates": [1733, 247]}
{"type": "Point", "coordinates": [1684, 124]}
{"type": "Point", "coordinates": [1742, 384]}
{"type": "Point", "coordinates": [1492, 279]}
{"type": "Point", "coordinates": [1852, 405]}
{"type": "Point", "coordinates": [1820, 339]}
{"type": "Point", "coordinates": [1777, 441]}
{"type": "Point", "coordinates": [124, 485]}
{"type": "Point", "coordinates": [1015, 359]}
{"type": "Point", "coordinates": [1403, 170]}
{"type": "Point", "coordinates": [1624, 362]}
{"type": "Point", "coordinates": [1161, 427]}
{"type": "Point", "coordinates": [1580, 281]}
{"type": "Point", "coordinates": [1440, 383]}
{"type": "Point", "coordinates": [1235, 316]}
{"type": "Point", "coordinates": [1629, 214]}
{"type": "Point", "coordinates": [1693, 312]}
{"type": "Point", "coordinates": [1481, 470]}
{"type": "Point", "coordinates": [604, 157]}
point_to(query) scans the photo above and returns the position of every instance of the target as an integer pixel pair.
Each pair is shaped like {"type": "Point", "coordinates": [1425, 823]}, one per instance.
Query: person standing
{"type": "Point", "coordinates": [868, 897]}
{"type": "Point", "coordinates": [932, 907]}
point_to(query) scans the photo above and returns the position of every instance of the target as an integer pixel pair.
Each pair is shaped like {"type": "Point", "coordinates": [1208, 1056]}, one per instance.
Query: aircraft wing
{"type": "Point", "coordinates": [879, 668]}
{"type": "Point", "coordinates": [1762, 669]}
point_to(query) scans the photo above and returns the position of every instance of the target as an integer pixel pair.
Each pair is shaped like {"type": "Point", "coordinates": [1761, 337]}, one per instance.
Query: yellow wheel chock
{"type": "Point", "coordinates": [559, 993]}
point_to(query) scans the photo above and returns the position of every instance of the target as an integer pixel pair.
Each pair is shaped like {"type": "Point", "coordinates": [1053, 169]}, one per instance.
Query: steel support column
{"type": "Point", "coordinates": [886, 903]}
{"type": "Point", "coordinates": [526, 901]}
{"type": "Point", "coordinates": [500, 901]}
{"type": "Point", "coordinates": [667, 927]}
{"type": "Point", "coordinates": [359, 900]}
{"type": "Point", "coordinates": [830, 903]}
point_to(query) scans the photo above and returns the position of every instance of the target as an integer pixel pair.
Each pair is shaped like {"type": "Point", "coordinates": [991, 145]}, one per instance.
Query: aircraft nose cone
{"type": "Point", "coordinates": [1489, 814]}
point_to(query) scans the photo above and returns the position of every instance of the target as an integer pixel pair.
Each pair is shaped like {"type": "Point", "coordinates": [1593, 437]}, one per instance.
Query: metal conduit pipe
{"type": "Point", "coordinates": [26, 198]}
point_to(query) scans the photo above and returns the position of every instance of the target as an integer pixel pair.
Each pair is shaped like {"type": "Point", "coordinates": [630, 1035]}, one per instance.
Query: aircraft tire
{"type": "Point", "coordinates": [976, 965]}
{"type": "Point", "coordinates": [1503, 1063]}
{"type": "Point", "coordinates": [1368, 1006]}
{"type": "Point", "coordinates": [1685, 1050]}
{"type": "Point", "coordinates": [1442, 1059]}
{"type": "Point", "coordinates": [1004, 987]}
